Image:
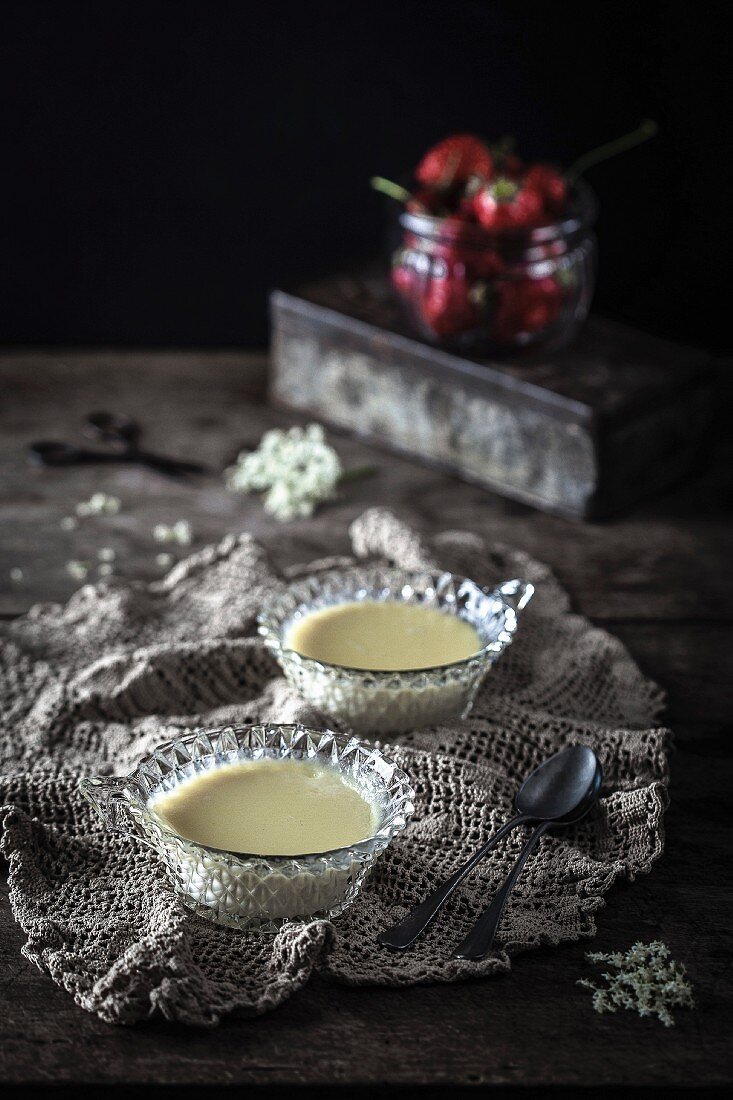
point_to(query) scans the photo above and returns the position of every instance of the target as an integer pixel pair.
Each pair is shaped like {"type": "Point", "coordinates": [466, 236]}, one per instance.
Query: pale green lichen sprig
{"type": "Point", "coordinates": [295, 469]}
{"type": "Point", "coordinates": [643, 979]}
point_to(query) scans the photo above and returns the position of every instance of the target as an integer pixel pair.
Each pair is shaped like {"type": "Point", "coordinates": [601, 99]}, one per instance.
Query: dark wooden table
{"type": "Point", "coordinates": [659, 578]}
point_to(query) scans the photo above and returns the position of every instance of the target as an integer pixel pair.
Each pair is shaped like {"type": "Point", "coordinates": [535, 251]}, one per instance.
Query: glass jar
{"type": "Point", "coordinates": [478, 290]}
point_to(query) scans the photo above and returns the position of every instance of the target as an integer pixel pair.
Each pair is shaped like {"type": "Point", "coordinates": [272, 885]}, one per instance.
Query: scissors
{"type": "Point", "coordinates": [123, 434]}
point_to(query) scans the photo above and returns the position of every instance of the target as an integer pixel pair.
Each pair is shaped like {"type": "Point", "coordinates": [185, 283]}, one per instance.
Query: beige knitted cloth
{"type": "Point", "coordinates": [92, 686]}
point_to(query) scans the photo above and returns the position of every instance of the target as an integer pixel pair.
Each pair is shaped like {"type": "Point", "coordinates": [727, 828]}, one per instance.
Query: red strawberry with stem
{"type": "Point", "coordinates": [453, 160]}
{"type": "Point", "coordinates": [506, 204]}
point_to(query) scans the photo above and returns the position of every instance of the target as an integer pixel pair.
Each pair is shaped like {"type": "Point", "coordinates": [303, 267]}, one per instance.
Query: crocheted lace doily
{"type": "Point", "coordinates": [92, 686]}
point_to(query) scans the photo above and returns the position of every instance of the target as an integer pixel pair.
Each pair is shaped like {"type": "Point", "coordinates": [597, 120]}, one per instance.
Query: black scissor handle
{"type": "Point", "coordinates": [122, 433]}
{"type": "Point", "coordinates": [52, 452]}
{"type": "Point", "coordinates": [114, 428]}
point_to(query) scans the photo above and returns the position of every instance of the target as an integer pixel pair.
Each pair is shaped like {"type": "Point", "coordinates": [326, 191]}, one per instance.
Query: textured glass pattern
{"type": "Point", "coordinates": [256, 891]}
{"type": "Point", "coordinates": [519, 288]}
{"type": "Point", "coordinates": [394, 702]}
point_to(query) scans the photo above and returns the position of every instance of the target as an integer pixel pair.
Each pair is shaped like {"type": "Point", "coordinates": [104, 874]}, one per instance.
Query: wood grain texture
{"type": "Point", "coordinates": [658, 579]}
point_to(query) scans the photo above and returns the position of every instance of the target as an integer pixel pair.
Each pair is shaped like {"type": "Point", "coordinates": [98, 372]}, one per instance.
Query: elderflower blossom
{"type": "Point", "coordinates": [77, 569]}
{"type": "Point", "coordinates": [99, 504]}
{"type": "Point", "coordinates": [296, 469]}
{"type": "Point", "coordinates": [643, 980]}
{"type": "Point", "coordinates": [179, 532]}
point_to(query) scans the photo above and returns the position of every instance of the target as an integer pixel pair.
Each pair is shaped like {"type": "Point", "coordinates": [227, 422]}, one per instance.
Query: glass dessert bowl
{"type": "Point", "coordinates": [256, 891]}
{"type": "Point", "coordinates": [380, 701]}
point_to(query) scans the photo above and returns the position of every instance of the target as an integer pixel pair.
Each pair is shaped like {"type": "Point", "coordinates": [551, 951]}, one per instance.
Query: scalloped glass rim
{"type": "Point", "coordinates": [255, 742]}
{"type": "Point", "coordinates": [361, 582]}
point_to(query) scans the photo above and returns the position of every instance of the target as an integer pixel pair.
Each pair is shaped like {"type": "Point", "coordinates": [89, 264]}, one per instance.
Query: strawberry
{"type": "Point", "coordinates": [447, 307]}
{"type": "Point", "coordinates": [462, 248]}
{"type": "Point", "coordinates": [549, 184]}
{"type": "Point", "coordinates": [526, 306]}
{"type": "Point", "coordinates": [505, 204]}
{"type": "Point", "coordinates": [402, 279]}
{"type": "Point", "coordinates": [453, 160]}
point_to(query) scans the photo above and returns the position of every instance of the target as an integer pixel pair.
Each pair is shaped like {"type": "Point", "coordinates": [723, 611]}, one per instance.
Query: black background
{"type": "Point", "coordinates": [165, 163]}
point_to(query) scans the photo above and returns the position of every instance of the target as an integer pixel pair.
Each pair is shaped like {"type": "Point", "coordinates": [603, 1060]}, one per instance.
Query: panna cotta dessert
{"type": "Point", "coordinates": [268, 807]}
{"type": "Point", "coordinates": [257, 825]}
{"type": "Point", "coordinates": [384, 650]}
{"type": "Point", "coordinates": [384, 636]}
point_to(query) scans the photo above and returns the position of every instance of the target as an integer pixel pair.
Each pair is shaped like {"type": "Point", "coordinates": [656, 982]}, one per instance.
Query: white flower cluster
{"type": "Point", "coordinates": [80, 570]}
{"type": "Point", "coordinates": [296, 469]}
{"type": "Point", "coordinates": [645, 980]}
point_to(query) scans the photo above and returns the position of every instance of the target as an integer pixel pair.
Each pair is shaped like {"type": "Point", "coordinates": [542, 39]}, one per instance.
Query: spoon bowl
{"type": "Point", "coordinates": [560, 785]}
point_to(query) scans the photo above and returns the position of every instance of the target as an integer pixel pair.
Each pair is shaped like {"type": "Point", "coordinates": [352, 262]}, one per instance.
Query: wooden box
{"type": "Point", "coordinates": [583, 432]}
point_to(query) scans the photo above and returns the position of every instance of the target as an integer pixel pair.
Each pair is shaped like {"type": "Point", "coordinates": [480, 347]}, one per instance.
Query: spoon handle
{"type": "Point", "coordinates": [479, 940]}
{"type": "Point", "coordinates": [401, 935]}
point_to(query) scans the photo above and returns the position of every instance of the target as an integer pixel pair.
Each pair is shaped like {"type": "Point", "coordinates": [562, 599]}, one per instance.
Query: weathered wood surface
{"type": "Point", "coordinates": [659, 579]}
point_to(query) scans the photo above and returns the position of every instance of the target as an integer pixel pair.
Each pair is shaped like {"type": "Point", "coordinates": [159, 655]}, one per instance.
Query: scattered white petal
{"type": "Point", "coordinates": [69, 523]}
{"type": "Point", "coordinates": [107, 553]}
{"type": "Point", "coordinates": [180, 532]}
{"type": "Point", "coordinates": [105, 569]}
{"type": "Point", "coordinates": [164, 560]}
{"type": "Point", "coordinates": [162, 532]}
{"type": "Point", "coordinates": [99, 504]}
{"type": "Point", "coordinates": [16, 574]}
{"type": "Point", "coordinates": [77, 569]}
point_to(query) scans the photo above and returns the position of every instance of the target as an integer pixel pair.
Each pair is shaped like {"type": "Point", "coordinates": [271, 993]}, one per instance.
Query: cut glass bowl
{"type": "Point", "coordinates": [379, 702]}
{"type": "Point", "coordinates": [248, 891]}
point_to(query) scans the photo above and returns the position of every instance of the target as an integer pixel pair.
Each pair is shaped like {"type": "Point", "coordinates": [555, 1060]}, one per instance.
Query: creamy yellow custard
{"type": "Point", "coordinates": [386, 635]}
{"type": "Point", "coordinates": [268, 807]}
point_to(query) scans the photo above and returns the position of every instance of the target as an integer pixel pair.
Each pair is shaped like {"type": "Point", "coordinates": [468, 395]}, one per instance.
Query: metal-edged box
{"type": "Point", "coordinates": [584, 432]}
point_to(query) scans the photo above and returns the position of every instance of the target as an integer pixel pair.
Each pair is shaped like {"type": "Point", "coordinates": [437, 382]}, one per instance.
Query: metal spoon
{"type": "Point", "coordinates": [479, 940]}
{"type": "Point", "coordinates": [552, 791]}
